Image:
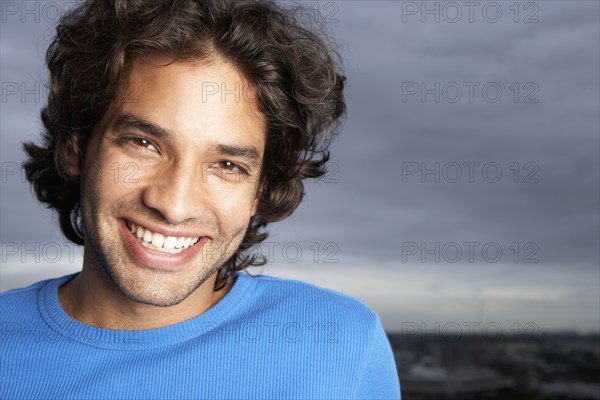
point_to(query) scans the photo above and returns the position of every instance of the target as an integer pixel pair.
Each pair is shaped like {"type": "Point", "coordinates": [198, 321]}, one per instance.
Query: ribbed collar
{"type": "Point", "coordinates": [123, 339]}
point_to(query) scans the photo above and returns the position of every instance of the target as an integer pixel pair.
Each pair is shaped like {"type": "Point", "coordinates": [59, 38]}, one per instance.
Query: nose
{"type": "Point", "coordinates": [177, 193]}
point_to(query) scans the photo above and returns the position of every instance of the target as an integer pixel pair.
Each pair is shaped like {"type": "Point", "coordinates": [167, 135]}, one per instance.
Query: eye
{"type": "Point", "coordinates": [142, 144]}
{"type": "Point", "coordinates": [229, 166]}
{"type": "Point", "coordinates": [231, 172]}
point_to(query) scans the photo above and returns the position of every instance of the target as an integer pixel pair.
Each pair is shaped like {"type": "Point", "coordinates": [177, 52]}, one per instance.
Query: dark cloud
{"type": "Point", "coordinates": [371, 202]}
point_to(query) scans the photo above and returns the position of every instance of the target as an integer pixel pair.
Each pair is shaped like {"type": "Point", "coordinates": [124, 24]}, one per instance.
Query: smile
{"type": "Point", "coordinates": [159, 242]}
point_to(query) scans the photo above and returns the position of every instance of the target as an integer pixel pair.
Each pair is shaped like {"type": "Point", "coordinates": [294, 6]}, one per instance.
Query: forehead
{"type": "Point", "coordinates": [201, 99]}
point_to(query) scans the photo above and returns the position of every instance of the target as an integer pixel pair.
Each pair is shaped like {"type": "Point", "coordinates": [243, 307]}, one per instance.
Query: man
{"type": "Point", "coordinates": [175, 132]}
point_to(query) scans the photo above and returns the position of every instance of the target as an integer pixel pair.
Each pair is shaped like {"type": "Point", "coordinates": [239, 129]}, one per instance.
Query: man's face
{"type": "Point", "coordinates": [170, 179]}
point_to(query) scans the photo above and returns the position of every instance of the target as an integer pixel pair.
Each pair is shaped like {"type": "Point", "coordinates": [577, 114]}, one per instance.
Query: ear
{"type": "Point", "coordinates": [74, 164]}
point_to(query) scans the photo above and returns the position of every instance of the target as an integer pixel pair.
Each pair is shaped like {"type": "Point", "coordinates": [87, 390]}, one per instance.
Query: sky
{"type": "Point", "coordinates": [464, 185]}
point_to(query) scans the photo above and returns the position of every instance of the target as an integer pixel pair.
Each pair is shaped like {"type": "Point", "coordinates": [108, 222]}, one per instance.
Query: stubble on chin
{"type": "Point", "coordinates": [136, 282]}
{"type": "Point", "coordinates": [147, 285]}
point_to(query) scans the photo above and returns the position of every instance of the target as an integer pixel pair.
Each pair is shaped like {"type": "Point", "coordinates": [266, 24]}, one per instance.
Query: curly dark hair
{"type": "Point", "coordinates": [291, 66]}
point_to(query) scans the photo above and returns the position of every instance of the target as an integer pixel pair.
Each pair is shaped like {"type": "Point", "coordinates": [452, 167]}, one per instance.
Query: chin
{"type": "Point", "coordinates": [147, 286]}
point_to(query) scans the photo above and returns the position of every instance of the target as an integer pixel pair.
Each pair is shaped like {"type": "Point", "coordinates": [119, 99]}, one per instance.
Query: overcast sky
{"type": "Point", "coordinates": [464, 185]}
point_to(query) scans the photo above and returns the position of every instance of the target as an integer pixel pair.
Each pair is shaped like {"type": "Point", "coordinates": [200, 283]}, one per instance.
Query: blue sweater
{"type": "Point", "coordinates": [268, 338]}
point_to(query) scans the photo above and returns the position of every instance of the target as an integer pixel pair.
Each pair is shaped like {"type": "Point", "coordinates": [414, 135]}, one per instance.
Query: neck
{"type": "Point", "coordinates": [92, 298]}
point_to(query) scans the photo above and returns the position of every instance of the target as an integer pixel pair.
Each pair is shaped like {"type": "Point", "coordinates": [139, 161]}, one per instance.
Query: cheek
{"type": "Point", "coordinates": [107, 178]}
{"type": "Point", "coordinates": [234, 207]}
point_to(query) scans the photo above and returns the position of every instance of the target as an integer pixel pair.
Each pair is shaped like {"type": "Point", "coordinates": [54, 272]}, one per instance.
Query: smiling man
{"type": "Point", "coordinates": [175, 132]}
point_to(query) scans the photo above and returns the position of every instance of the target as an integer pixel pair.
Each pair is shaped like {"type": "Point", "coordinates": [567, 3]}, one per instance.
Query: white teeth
{"type": "Point", "coordinates": [170, 242]}
{"type": "Point", "coordinates": [147, 236]}
{"type": "Point", "coordinates": [151, 246]}
{"type": "Point", "coordinates": [157, 241]}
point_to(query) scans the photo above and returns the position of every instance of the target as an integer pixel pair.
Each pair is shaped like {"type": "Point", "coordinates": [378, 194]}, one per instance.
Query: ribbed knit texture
{"type": "Point", "coordinates": [268, 338]}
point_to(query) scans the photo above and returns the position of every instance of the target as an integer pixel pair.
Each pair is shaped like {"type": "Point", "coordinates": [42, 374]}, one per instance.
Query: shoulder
{"type": "Point", "coordinates": [309, 304]}
{"type": "Point", "coordinates": [307, 294]}
{"type": "Point", "coordinates": [15, 302]}
{"type": "Point", "coordinates": [340, 330]}
{"type": "Point", "coordinates": [22, 293]}
{"type": "Point", "coordinates": [18, 304]}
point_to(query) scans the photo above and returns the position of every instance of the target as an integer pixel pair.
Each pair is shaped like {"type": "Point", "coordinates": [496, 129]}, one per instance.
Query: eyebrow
{"type": "Point", "coordinates": [249, 153]}
{"type": "Point", "coordinates": [130, 121]}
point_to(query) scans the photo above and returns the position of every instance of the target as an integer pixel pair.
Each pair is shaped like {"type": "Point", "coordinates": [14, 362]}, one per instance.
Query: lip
{"type": "Point", "coordinates": [155, 258]}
